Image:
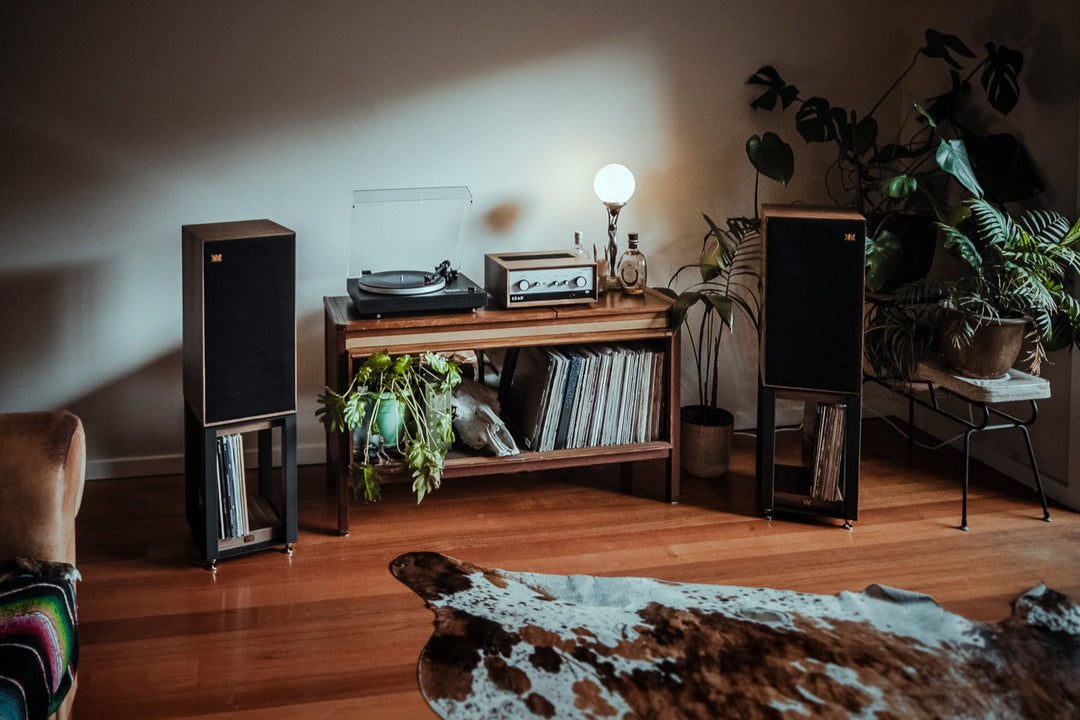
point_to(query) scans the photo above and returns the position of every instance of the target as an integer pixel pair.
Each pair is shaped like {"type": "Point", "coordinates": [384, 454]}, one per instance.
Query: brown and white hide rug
{"type": "Point", "coordinates": [521, 645]}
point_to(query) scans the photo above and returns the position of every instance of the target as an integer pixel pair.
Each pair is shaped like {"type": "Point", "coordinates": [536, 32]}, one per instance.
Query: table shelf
{"type": "Point", "coordinates": [615, 318]}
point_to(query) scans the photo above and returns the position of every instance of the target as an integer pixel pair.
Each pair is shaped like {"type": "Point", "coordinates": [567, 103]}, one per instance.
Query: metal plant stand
{"type": "Point", "coordinates": [980, 397]}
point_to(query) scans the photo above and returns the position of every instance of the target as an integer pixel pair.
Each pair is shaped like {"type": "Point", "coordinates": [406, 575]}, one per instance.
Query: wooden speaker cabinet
{"type": "Point", "coordinates": [812, 314]}
{"type": "Point", "coordinates": [811, 353]}
{"type": "Point", "coordinates": [239, 320]}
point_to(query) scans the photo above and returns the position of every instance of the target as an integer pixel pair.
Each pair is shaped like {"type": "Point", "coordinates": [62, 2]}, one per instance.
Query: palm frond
{"type": "Point", "coordinates": [1047, 226]}
{"type": "Point", "coordinates": [961, 245]}
{"type": "Point", "coordinates": [992, 224]}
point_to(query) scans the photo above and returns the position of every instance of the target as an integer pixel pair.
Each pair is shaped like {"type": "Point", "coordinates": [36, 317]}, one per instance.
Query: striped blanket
{"type": "Point", "coordinates": [39, 648]}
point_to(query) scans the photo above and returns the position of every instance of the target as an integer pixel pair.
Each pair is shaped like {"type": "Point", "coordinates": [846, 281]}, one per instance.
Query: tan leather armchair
{"type": "Point", "coordinates": [42, 472]}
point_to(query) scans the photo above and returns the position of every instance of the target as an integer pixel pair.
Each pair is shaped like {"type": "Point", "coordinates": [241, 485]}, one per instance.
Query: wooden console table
{"type": "Point", "coordinates": [616, 318]}
{"type": "Point", "coordinates": [931, 380]}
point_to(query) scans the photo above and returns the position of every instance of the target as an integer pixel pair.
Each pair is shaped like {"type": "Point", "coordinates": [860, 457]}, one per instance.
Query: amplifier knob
{"type": "Point", "coordinates": [580, 282]}
{"type": "Point", "coordinates": [523, 285]}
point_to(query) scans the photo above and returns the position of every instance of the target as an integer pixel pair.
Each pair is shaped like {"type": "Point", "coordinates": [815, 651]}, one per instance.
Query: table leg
{"type": "Point", "coordinates": [967, 471]}
{"type": "Point", "coordinates": [1035, 471]}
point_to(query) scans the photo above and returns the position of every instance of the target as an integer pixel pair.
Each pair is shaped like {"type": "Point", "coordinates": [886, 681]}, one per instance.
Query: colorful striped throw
{"type": "Point", "coordinates": [39, 646]}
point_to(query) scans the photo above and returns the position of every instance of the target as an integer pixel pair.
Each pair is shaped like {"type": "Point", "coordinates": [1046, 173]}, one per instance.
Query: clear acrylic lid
{"type": "Point", "coordinates": [407, 228]}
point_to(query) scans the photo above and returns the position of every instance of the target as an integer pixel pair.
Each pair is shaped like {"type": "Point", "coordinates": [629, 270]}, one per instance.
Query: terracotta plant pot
{"type": "Point", "coordinates": [705, 440]}
{"type": "Point", "coordinates": [992, 351]}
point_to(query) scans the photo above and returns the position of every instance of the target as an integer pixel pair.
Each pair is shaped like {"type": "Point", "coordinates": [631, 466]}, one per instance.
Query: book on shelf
{"type": "Point", "coordinates": [585, 396]}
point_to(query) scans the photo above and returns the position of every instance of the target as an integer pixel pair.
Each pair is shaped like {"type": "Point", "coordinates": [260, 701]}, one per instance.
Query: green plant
{"type": "Point", "coordinates": [1014, 269]}
{"type": "Point", "coordinates": [415, 384]}
{"type": "Point", "coordinates": [901, 331]}
{"type": "Point", "coordinates": [908, 174]}
{"type": "Point", "coordinates": [1018, 268]}
{"type": "Point", "coordinates": [729, 268]}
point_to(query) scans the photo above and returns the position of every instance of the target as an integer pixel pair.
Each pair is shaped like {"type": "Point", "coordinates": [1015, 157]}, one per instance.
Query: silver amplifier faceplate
{"type": "Point", "coordinates": [539, 278]}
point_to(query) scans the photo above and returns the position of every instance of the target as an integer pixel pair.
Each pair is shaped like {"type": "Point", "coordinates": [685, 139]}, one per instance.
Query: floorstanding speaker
{"type": "Point", "coordinates": [239, 320]}
{"type": "Point", "coordinates": [812, 315]}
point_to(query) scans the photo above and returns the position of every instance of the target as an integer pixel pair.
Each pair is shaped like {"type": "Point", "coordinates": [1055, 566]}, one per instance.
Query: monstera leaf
{"type": "Point", "coordinates": [898, 186]}
{"type": "Point", "coordinates": [771, 156]}
{"type": "Point", "coordinates": [939, 45]}
{"type": "Point", "coordinates": [817, 121]}
{"type": "Point", "coordinates": [777, 89]}
{"type": "Point", "coordinates": [883, 254]}
{"type": "Point", "coordinates": [999, 78]}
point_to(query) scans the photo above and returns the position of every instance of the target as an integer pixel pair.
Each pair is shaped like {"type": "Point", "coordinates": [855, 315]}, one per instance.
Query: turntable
{"type": "Point", "coordinates": [402, 228]}
{"type": "Point", "coordinates": [405, 291]}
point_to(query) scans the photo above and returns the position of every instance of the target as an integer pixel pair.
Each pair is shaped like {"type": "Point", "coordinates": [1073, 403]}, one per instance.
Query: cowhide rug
{"type": "Point", "coordinates": [520, 645]}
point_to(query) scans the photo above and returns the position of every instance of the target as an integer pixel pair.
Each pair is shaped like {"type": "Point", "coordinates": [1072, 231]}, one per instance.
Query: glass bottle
{"type": "Point", "coordinates": [579, 249]}
{"type": "Point", "coordinates": [631, 269]}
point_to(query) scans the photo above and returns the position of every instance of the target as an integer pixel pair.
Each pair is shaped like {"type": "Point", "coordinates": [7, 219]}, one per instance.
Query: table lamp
{"type": "Point", "coordinates": [614, 185]}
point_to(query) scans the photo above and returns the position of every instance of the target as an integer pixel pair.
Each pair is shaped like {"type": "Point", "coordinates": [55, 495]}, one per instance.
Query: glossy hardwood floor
{"type": "Point", "coordinates": [330, 633]}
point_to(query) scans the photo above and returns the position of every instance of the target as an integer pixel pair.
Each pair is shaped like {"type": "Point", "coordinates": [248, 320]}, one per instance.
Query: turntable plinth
{"type": "Point", "coordinates": [616, 318]}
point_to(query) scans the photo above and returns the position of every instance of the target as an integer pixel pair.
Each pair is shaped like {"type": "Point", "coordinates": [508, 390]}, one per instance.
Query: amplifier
{"type": "Point", "coordinates": [524, 279]}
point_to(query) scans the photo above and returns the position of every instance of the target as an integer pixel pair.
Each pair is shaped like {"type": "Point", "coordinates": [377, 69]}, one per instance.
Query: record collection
{"type": "Point", "coordinates": [586, 396]}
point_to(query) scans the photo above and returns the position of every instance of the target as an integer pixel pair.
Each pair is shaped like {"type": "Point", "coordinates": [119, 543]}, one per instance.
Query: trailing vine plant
{"type": "Point", "coordinates": [420, 387]}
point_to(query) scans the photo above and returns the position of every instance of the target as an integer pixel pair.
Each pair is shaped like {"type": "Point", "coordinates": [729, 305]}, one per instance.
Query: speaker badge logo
{"type": "Point", "coordinates": [849, 237]}
{"type": "Point", "coordinates": [215, 257]}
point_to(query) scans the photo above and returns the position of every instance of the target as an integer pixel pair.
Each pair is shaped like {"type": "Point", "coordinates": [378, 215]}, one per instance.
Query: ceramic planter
{"type": "Point", "coordinates": [389, 417]}
{"type": "Point", "coordinates": [992, 351]}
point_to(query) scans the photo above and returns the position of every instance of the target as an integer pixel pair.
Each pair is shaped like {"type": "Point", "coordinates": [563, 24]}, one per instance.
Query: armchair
{"type": "Point", "coordinates": [42, 473]}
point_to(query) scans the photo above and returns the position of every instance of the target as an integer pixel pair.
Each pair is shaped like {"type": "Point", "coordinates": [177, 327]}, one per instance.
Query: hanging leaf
{"type": "Point", "coordinates": [711, 262]}
{"type": "Point", "coordinates": [926, 114]}
{"type": "Point", "coordinates": [938, 45]}
{"type": "Point", "coordinates": [957, 215]}
{"type": "Point", "coordinates": [817, 121]}
{"type": "Point", "coordinates": [898, 186]}
{"type": "Point", "coordinates": [724, 307]}
{"type": "Point", "coordinates": [771, 156]}
{"type": "Point", "coordinates": [667, 292]}
{"type": "Point", "coordinates": [1000, 77]}
{"type": "Point", "coordinates": [883, 254]}
{"type": "Point", "coordinates": [777, 89]}
{"type": "Point", "coordinates": [952, 157]}
{"type": "Point", "coordinates": [681, 307]}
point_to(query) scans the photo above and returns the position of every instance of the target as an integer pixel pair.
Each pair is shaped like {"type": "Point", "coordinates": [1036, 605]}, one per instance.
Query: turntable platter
{"type": "Point", "coordinates": [402, 282]}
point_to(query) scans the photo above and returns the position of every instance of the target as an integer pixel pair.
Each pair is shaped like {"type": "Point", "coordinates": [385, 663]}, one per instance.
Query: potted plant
{"type": "Point", "coordinates": [1015, 286]}
{"type": "Point", "coordinates": [902, 185]}
{"type": "Point", "coordinates": [396, 406]}
{"type": "Point", "coordinates": [726, 282]}
{"type": "Point", "coordinates": [901, 331]}
{"type": "Point", "coordinates": [1018, 277]}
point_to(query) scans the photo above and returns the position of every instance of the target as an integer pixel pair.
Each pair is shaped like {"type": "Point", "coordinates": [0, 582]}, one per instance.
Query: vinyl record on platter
{"type": "Point", "coordinates": [402, 282]}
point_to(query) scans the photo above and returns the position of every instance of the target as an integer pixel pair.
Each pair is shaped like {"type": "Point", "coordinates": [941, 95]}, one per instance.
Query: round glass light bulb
{"type": "Point", "coordinates": [614, 184]}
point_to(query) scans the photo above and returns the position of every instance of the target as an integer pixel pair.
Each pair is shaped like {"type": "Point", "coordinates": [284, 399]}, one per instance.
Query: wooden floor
{"type": "Point", "coordinates": [330, 633]}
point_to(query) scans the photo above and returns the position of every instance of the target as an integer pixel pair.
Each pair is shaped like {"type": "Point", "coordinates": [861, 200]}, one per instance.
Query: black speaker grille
{"type": "Point", "coordinates": [250, 327]}
{"type": "Point", "coordinates": [812, 319]}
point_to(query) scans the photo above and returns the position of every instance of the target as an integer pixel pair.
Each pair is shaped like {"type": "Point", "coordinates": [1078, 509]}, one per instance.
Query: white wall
{"type": "Point", "coordinates": [121, 121]}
